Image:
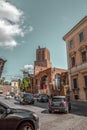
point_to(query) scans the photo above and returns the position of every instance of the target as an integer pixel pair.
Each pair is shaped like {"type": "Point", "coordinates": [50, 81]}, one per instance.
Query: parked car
{"type": "Point", "coordinates": [43, 98]}
{"type": "Point", "coordinates": [17, 119]}
{"type": "Point", "coordinates": [17, 97]}
{"type": "Point", "coordinates": [8, 96]}
{"type": "Point", "coordinates": [59, 104]}
{"type": "Point", "coordinates": [27, 98]}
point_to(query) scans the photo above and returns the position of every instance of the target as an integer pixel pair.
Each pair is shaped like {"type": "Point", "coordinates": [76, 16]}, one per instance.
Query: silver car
{"type": "Point", "coordinates": [59, 104]}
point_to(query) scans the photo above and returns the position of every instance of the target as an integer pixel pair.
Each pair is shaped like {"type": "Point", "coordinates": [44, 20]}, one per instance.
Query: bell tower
{"type": "Point", "coordinates": [42, 59]}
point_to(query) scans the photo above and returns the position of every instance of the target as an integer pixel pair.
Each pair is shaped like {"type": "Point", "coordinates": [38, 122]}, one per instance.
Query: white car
{"type": "Point", "coordinates": [8, 96]}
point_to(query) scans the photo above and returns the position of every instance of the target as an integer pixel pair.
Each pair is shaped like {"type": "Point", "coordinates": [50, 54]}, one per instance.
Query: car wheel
{"type": "Point", "coordinates": [26, 126]}
{"type": "Point", "coordinates": [33, 102]}
{"type": "Point", "coordinates": [67, 111]}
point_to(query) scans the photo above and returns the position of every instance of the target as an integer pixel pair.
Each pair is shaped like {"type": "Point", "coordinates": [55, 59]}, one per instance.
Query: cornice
{"type": "Point", "coordinates": [77, 26]}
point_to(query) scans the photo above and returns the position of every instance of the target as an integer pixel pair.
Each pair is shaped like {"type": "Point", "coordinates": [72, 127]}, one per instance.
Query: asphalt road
{"type": "Point", "coordinates": [76, 120]}
{"type": "Point", "coordinates": [78, 107]}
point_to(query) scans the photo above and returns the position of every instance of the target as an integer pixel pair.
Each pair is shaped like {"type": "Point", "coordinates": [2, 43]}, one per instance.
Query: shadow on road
{"type": "Point", "coordinates": [46, 112]}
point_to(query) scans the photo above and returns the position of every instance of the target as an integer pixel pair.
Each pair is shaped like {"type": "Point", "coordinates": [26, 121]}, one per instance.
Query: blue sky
{"type": "Point", "coordinates": [26, 24]}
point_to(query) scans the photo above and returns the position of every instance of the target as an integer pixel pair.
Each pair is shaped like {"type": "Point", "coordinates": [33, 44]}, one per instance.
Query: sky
{"type": "Point", "coordinates": [27, 24]}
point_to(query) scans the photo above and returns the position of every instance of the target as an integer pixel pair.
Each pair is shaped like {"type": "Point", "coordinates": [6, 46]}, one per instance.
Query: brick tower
{"type": "Point", "coordinates": [42, 60]}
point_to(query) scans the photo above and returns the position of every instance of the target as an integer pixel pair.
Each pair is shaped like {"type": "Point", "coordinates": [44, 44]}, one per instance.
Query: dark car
{"type": "Point", "coordinates": [17, 119]}
{"type": "Point", "coordinates": [59, 104]}
{"type": "Point", "coordinates": [27, 98]}
{"type": "Point", "coordinates": [43, 98]}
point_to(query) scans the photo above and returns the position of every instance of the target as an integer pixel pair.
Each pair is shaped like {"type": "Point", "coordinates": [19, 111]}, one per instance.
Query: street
{"type": "Point", "coordinates": [76, 120]}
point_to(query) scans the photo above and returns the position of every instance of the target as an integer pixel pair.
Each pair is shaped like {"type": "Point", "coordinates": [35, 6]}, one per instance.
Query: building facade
{"type": "Point", "coordinates": [48, 80]}
{"type": "Point", "coordinates": [2, 63]}
{"type": "Point", "coordinates": [76, 44]}
{"type": "Point", "coordinates": [15, 87]}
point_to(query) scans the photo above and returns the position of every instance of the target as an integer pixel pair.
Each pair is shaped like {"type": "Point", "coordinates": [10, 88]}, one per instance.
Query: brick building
{"type": "Point", "coordinates": [2, 63]}
{"type": "Point", "coordinates": [48, 80]}
{"type": "Point", "coordinates": [76, 44]}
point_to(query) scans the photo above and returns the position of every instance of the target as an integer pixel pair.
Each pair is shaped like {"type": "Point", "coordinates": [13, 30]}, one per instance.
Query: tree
{"type": "Point", "coordinates": [2, 81]}
{"type": "Point", "coordinates": [26, 82]}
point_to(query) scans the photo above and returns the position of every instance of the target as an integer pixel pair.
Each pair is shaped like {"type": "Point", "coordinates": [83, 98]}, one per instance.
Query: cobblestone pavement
{"type": "Point", "coordinates": [60, 121]}
{"type": "Point", "coordinates": [64, 122]}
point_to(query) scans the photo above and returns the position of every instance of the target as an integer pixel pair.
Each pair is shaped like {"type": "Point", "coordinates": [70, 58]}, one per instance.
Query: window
{"type": "Point", "coordinates": [71, 44]}
{"type": "Point", "coordinates": [73, 61]}
{"type": "Point", "coordinates": [83, 56]}
{"type": "Point", "coordinates": [39, 56]}
{"type": "Point", "coordinates": [75, 85]}
{"type": "Point", "coordinates": [81, 37]}
{"type": "Point", "coordinates": [76, 97]}
{"type": "Point", "coordinates": [85, 80]}
{"type": "Point", "coordinates": [14, 84]}
{"type": "Point", "coordinates": [43, 55]}
{"type": "Point", "coordinates": [58, 81]}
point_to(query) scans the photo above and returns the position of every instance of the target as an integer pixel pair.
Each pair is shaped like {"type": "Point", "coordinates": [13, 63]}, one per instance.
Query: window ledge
{"type": "Point", "coordinates": [75, 89]}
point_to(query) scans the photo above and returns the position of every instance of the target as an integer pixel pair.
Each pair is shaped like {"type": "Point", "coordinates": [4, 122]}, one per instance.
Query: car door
{"type": "Point", "coordinates": [6, 121]}
{"type": "Point", "coordinates": [3, 122]}
{"type": "Point", "coordinates": [11, 122]}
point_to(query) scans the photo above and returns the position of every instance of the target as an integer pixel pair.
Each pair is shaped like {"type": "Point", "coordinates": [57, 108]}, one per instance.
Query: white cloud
{"type": "Point", "coordinates": [28, 28]}
{"type": "Point", "coordinates": [28, 67]}
{"type": "Point", "coordinates": [10, 24]}
{"type": "Point", "coordinates": [9, 11]}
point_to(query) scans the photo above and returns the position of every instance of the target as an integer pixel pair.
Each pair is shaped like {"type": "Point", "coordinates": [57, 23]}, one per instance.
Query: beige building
{"type": "Point", "coordinates": [76, 44]}
{"type": "Point", "coordinates": [15, 86]}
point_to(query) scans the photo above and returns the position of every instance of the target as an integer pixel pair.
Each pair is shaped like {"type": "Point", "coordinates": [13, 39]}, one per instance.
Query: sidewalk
{"type": "Point", "coordinates": [78, 102]}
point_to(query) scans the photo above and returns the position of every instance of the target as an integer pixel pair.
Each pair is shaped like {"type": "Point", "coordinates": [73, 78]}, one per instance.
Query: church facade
{"type": "Point", "coordinates": [48, 80]}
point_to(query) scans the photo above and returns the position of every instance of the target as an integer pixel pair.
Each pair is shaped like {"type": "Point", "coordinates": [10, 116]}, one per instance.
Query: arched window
{"type": "Point", "coordinates": [58, 81]}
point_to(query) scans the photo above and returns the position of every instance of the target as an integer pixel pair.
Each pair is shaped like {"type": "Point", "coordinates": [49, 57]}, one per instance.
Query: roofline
{"type": "Point", "coordinates": [75, 27]}
{"type": "Point", "coordinates": [3, 59]}
{"type": "Point", "coordinates": [60, 69]}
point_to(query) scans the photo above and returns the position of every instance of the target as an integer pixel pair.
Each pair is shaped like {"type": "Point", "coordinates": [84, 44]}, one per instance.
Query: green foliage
{"type": "Point", "coordinates": [25, 83]}
{"type": "Point", "coordinates": [2, 80]}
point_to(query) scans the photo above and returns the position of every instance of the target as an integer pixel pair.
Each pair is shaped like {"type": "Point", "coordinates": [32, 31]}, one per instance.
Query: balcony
{"type": "Point", "coordinates": [78, 68]}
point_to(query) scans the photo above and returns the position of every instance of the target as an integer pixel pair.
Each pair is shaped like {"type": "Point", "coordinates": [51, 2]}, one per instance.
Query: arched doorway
{"type": "Point", "coordinates": [43, 84]}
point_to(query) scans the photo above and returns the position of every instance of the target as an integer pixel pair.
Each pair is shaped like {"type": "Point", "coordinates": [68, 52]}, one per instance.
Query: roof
{"type": "Point", "coordinates": [75, 27]}
{"type": "Point", "coordinates": [4, 60]}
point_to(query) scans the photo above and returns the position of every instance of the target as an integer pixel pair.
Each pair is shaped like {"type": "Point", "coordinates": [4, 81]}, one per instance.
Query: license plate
{"type": "Point", "coordinates": [56, 110]}
{"type": "Point", "coordinates": [56, 104]}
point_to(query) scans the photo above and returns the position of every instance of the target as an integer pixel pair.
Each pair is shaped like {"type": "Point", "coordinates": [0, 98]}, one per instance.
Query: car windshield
{"type": "Point", "coordinates": [27, 94]}
{"type": "Point", "coordinates": [58, 99]}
